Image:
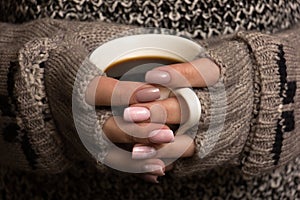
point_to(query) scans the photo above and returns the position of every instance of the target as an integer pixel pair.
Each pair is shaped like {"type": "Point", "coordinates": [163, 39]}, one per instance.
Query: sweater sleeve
{"type": "Point", "coordinates": [17, 148]}
{"type": "Point", "coordinates": [251, 118]}
{"type": "Point", "coordinates": [44, 72]}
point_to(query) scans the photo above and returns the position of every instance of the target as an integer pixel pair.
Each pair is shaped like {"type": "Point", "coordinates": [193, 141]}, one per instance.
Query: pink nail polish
{"type": "Point", "coordinates": [154, 168]}
{"type": "Point", "coordinates": [136, 114]}
{"type": "Point", "coordinates": [161, 136]}
{"type": "Point", "coordinates": [147, 94]}
{"type": "Point", "coordinates": [143, 152]}
{"type": "Point", "coordinates": [158, 77]}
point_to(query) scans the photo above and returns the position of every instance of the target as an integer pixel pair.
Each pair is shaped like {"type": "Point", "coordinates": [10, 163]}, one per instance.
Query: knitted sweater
{"type": "Point", "coordinates": [259, 72]}
{"type": "Point", "coordinates": [199, 18]}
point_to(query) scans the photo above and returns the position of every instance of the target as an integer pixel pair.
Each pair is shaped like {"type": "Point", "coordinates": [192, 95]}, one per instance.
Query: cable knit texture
{"type": "Point", "coordinates": [199, 18]}
{"type": "Point", "coordinates": [37, 126]}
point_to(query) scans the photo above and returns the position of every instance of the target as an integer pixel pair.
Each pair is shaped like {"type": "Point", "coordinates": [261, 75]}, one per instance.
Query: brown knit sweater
{"type": "Point", "coordinates": [253, 123]}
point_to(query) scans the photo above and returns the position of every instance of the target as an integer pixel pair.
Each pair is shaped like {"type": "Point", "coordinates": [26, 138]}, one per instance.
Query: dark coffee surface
{"type": "Point", "coordinates": [134, 69]}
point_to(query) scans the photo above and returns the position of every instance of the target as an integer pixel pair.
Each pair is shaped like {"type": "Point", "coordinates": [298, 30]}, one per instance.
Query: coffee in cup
{"type": "Point", "coordinates": [121, 68]}
{"type": "Point", "coordinates": [130, 57]}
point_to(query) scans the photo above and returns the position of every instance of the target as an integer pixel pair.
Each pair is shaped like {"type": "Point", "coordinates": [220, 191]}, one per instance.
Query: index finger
{"type": "Point", "coordinates": [106, 91]}
{"type": "Point", "coordinates": [198, 73]}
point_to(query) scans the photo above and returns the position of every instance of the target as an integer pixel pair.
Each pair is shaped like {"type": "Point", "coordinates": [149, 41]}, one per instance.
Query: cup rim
{"type": "Point", "coordinates": [116, 49]}
{"type": "Point", "coordinates": [108, 53]}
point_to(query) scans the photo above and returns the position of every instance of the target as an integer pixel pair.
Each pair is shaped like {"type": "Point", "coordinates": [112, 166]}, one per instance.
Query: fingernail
{"type": "Point", "coordinates": [158, 77]}
{"type": "Point", "coordinates": [135, 114]}
{"type": "Point", "coordinates": [161, 136]}
{"type": "Point", "coordinates": [150, 178]}
{"type": "Point", "coordinates": [147, 94]}
{"type": "Point", "coordinates": [143, 152]}
{"type": "Point", "coordinates": [154, 168]}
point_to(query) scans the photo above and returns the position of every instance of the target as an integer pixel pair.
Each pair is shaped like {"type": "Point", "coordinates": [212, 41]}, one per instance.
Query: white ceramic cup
{"type": "Point", "coordinates": [170, 46]}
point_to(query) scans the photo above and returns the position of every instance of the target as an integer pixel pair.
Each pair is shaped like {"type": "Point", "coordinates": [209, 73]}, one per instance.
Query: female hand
{"type": "Point", "coordinates": [199, 73]}
{"type": "Point", "coordinates": [105, 91]}
{"type": "Point", "coordinates": [154, 133]}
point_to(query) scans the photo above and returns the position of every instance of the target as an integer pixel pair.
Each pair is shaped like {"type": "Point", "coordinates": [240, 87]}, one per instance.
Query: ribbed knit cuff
{"type": "Point", "coordinates": [226, 110]}
{"type": "Point", "coordinates": [45, 149]}
{"type": "Point", "coordinates": [13, 37]}
{"type": "Point", "coordinates": [15, 144]}
{"type": "Point", "coordinates": [274, 138]}
{"type": "Point", "coordinates": [50, 90]}
{"type": "Point", "coordinates": [260, 75]}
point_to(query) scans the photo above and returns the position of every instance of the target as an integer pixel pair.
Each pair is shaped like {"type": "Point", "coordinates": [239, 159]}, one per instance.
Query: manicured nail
{"type": "Point", "coordinates": [161, 136]}
{"type": "Point", "coordinates": [158, 77]}
{"type": "Point", "coordinates": [143, 152]}
{"type": "Point", "coordinates": [150, 178]}
{"type": "Point", "coordinates": [147, 94]}
{"type": "Point", "coordinates": [154, 168]}
{"type": "Point", "coordinates": [136, 114]}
